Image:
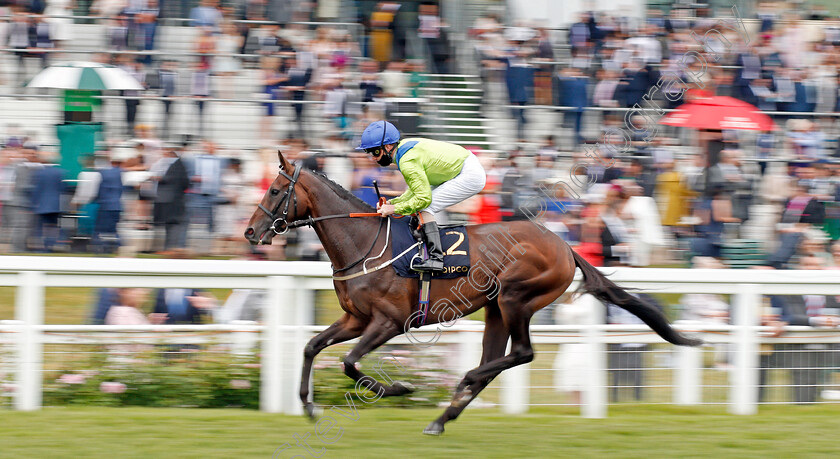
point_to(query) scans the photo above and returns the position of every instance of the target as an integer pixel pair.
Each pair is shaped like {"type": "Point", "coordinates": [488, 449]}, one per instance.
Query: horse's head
{"type": "Point", "coordinates": [284, 202]}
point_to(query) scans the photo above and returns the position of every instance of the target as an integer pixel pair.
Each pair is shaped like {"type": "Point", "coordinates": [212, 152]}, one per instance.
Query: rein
{"type": "Point", "coordinates": [289, 196]}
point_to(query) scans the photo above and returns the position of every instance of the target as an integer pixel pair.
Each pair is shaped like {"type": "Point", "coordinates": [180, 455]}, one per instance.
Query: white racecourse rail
{"type": "Point", "coordinates": [287, 322]}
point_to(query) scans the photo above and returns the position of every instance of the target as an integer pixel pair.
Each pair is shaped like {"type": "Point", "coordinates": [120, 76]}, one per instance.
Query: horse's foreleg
{"type": "Point", "coordinates": [494, 344]}
{"type": "Point", "coordinates": [377, 333]}
{"type": "Point", "coordinates": [345, 328]}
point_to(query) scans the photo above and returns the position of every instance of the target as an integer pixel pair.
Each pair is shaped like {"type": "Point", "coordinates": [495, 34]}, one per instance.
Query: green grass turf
{"type": "Point", "coordinates": [628, 432]}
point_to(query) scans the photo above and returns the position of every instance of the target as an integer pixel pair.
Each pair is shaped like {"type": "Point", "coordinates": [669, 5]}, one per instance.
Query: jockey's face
{"type": "Point", "coordinates": [377, 152]}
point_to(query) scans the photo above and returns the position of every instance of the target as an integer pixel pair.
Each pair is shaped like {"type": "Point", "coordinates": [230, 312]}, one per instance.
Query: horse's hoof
{"type": "Point", "coordinates": [311, 412]}
{"type": "Point", "coordinates": [435, 428]}
{"type": "Point", "coordinates": [404, 387]}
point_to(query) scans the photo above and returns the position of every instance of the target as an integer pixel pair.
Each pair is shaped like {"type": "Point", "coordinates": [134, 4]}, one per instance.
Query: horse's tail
{"type": "Point", "coordinates": [596, 284]}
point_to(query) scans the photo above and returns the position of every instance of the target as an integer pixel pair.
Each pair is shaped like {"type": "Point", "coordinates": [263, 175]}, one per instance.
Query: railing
{"type": "Point", "coordinates": [287, 326]}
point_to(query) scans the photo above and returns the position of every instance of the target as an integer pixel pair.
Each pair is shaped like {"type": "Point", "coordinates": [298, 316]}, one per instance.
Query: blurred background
{"type": "Point", "coordinates": [532, 87]}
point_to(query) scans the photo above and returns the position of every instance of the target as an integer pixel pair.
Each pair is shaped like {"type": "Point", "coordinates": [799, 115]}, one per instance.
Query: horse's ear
{"type": "Point", "coordinates": [284, 165]}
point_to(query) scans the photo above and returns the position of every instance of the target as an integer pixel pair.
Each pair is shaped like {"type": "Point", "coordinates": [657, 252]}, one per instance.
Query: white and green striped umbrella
{"type": "Point", "coordinates": [90, 76]}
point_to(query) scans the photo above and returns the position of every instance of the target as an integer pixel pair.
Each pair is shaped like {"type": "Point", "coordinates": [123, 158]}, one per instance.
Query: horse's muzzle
{"type": "Point", "coordinates": [258, 239]}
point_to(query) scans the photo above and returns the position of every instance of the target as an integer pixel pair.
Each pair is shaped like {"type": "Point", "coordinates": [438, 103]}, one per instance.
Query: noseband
{"type": "Point", "coordinates": [288, 197]}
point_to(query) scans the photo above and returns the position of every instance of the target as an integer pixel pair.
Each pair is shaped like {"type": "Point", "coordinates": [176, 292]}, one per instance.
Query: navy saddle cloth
{"type": "Point", "coordinates": [456, 259]}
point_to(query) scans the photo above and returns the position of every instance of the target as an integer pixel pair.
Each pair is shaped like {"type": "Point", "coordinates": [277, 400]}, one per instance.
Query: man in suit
{"type": "Point", "coordinates": [46, 203]}
{"type": "Point", "coordinates": [169, 206]}
{"type": "Point", "coordinates": [297, 79]}
{"type": "Point", "coordinates": [17, 211]}
{"type": "Point", "coordinates": [570, 91]}
{"type": "Point", "coordinates": [167, 85]}
{"type": "Point", "coordinates": [110, 206]}
{"type": "Point", "coordinates": [520, 81]}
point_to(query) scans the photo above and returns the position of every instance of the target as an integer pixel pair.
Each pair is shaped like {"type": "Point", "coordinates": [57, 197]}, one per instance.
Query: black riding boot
{"type": "Point", "coordinates": [431, 235]}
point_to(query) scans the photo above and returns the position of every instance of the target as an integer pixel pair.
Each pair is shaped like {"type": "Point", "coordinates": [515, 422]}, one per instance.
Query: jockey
{"type": "Point", "coordinates": [438, 175]}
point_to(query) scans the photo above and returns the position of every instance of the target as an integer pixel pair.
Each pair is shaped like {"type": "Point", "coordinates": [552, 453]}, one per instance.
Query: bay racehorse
{"type": "Point", "coordinates": [377, 306]}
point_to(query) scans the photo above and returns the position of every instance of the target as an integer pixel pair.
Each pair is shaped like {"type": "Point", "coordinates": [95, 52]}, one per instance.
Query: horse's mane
{"type": "Point", "coordinates": [339, 190]}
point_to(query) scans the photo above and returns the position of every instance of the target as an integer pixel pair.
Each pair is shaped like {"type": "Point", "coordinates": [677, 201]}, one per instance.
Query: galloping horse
{"type": "Point", "coordinates": [378, 305]}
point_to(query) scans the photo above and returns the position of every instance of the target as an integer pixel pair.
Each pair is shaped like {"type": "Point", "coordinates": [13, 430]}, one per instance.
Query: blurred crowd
{"type": "Point", "coordinates": [678, 197]}
{"type": "Point", "coordinates": [681, 194]}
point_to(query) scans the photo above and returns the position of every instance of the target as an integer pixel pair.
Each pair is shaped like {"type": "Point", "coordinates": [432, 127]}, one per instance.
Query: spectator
{"type": "Point", "coordinates": [183, 306]}
{"type": "Point", "coordinates": [205, 189]}
{"type": "Point", "coordinates": [805, 140]}
{"type": "Point", "coordinates": [570, 89]}
{"type": "Point", "coordinates": [41, 39]}
{"type": "Point", "coordinates": [170, 214]}
{"type": "Point", "coordinates": [106, 239]}
{"type": "Point", "coordinates": [519, 77]}
{"type": "Point", "coordinates": [135, 69]}
{"type": "Point", "coordinates": [225, 65]}
{"type": "Point", "coordinates": [46, 204]}
{"type": "Point", "coordinates": [58, 13]}
{"type": "Point", "coordinates": [294, 83]}
{"type": "Point", "coordinates": [382, 25]}
{"type": "Point", "coordinates": [234, 206]}
{"type": "Point", "coordinates": [271, 80]}
{"type": "Point", "coordinates": [430, 30]}
{"type": "Point", "coordinates": [673, 195]}
{"type": "Point", "coordinates": [146, 20]}
{"type": "Point", "coordinates": [18, 39]}
{"type": "Point", "coordinates": [800, 212]}
{"type": "Point", "coordinates": [207, 14]}
{"type": "Point", "coordinates": [19, 209]}
{"type": "Point", "coordinates": [200, 92]}
{"type": "Point", "coordinates": [712, 213]}
{"type": "Point", "coordinates": [737, 186]}
{"type": "Point", "coordinates": [117, 32]}
{"type": "Point", "coordinates": [616, 235]}
{"type": "Point", "coordinates": [167, 86]}
{"type": "Point", "coordinates": [127, 310]}
{"type": "Point", "coordinates": [87, 187]}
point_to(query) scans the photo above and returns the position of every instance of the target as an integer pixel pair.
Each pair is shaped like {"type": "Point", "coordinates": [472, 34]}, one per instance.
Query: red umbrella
{"type": "Point", "coordinates": [719, 112]}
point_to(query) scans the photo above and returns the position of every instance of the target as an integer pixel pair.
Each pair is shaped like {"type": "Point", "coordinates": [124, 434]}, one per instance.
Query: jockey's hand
{"type": "Point", "coordinates": [385, 209]}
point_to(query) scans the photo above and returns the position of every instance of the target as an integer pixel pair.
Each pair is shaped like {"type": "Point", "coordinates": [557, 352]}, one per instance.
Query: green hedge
{"type": "Point", "coordinates": [209, 379]}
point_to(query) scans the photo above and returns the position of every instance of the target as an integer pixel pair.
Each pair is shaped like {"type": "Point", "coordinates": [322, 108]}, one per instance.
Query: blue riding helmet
{"type": "Point", "coordinates": [379, 133]}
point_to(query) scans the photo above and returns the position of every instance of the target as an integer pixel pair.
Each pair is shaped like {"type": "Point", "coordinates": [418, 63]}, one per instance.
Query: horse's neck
{"type": "Point", "coordinates": [345, 240]}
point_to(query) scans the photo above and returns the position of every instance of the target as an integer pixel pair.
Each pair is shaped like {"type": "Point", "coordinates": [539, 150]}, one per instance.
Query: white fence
{"type": "Point", "coordinates": [287, 325]}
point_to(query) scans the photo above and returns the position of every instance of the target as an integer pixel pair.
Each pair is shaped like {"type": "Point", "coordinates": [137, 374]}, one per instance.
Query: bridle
{"type": "Point", "coordinates": [288, 197]}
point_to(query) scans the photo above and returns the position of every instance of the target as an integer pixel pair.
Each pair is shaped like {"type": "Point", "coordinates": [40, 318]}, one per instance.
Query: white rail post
{"type": "Point", "coordinates": [29, 310]}
{"type": "Point", "coordinates": [297, 312]}
{"type": "Point", "coordinates": [743, 379]}
{"type": "Point", "coordinates": [594, 396]}
{"type": "Point", "coordinates": [688, 375]}
{"type": "Point", "coordinates": [469, 347]}
{"type": "Point", "coordinates": [515, 387]}
{"type": "Point", "coordinates": [279, 293]}
{"type": "Point", "coordinates": [242, 342]}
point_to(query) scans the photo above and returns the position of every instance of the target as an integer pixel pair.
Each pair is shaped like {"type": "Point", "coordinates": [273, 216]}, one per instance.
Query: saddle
{"type": "Point", "coordinates": [456, 258]}
{"type": "Point", "coordinates": [455, 243]}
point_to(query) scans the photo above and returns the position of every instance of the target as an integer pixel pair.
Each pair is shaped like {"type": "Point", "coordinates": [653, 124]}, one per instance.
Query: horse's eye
{"type": "Point", "coordinates": [275, 191]}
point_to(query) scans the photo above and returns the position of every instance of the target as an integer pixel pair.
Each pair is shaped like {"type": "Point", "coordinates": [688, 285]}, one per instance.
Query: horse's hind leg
{"type": "Point", "coordinates": [345, 328]}
{"type": "Point", "coordinates": [377, 333]}
{"type": "Point", "coordinates": [495, 341]}
{"type": "Point", "coordinates": [516, 317]}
